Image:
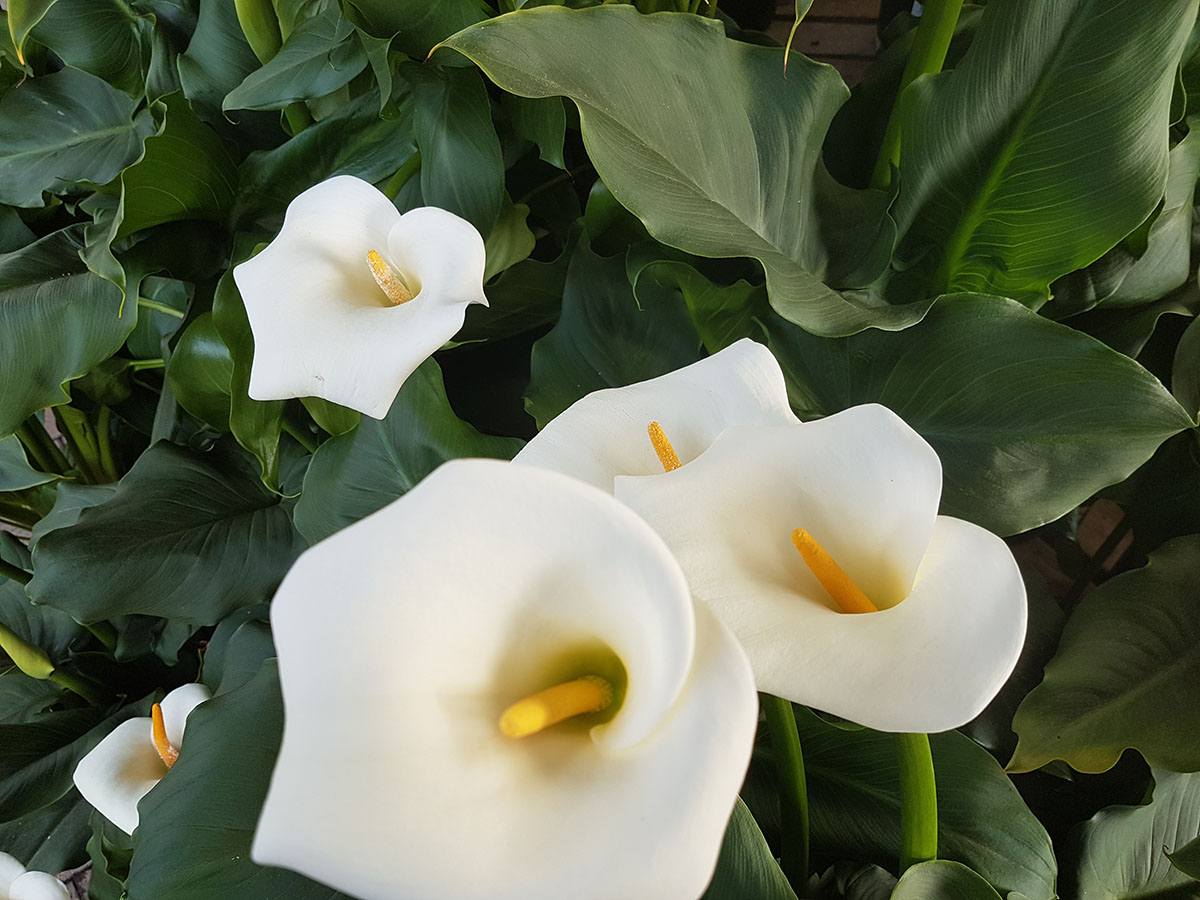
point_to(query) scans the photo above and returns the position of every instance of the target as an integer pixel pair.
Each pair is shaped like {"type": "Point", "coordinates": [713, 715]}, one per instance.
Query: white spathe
{"type": "Point", "coordinates": [122, 768]}
{"type": "Point", "coordinates": [18, 884]}
{"type": "Point", "coordinates": [323, 327]}
{"type": "Point", "coordinates": [952, 603]}
{"type": "Point", "coordinates": [485, 584]}
{"type": "Point", "coordinates": [604, 435]}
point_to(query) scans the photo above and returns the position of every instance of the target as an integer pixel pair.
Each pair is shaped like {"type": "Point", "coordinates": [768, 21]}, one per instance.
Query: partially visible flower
{"type": "Point", "coordinates": [18, 884]}
{"type": "Point", "coordinates": [133, 758]}
{"type": "Point", "coordinates": [794, 536]}
{"type": "Point", "coordinates": [352, 296]}
{"type": "Point", "coordinates": [604, 434]}
{"type": "Point", "coordinates": [503, 711]}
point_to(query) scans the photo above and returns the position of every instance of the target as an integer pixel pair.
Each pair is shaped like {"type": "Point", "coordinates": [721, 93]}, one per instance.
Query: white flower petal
{"type": "Point", "coordinates": [604, 434]}
{"type": "Point", "coordinates": [120, 771]}
{"type": "Point", "coordinates": [38, 886]}
{"type": "Point", "coordinates": [484, 584]}
{"type": "Point", "coordinates": [10, 870]}
{"type": "Point", "coordinates": [178, 705]}
{"type": "Point", "coordinates": [323, 327]}
{"type": "Point", "coordinates": [869, 494]}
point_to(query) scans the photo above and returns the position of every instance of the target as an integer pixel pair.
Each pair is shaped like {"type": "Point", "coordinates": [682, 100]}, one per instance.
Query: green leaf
{"type": "Point", "coordinates": [69, 502]}
{"type": "Point", "coordinates": [256, 424]}
{"type": "Point", "coordinates": [37, 758]}
{"type": "Point", "coordinates": [721, 314]}
{"type": "Point", "coordinates": [854, 801]}
{"type": "Point", "coordinates": [14, 234]}
{"type": "Point", "coordinates": [103, 37]}
{"type": "Point", "coordinates": [332, 417]}
{"type": "Point", "coordinates": [510, 240]}
{"type": "Point", "coordinates": [237, 650]}
{"type": "Point", "coordinates": [162, 305]}
{"type": "Point", "coordinates": [541, 121]}
{"type": "Point", "coordinates": [746, 866]}
{"type": "Point", "coordinates": [196, 826]}
{"type": "Point", "coordinates": [217, 60]}
{"type": "Point", "coordinates": [51, 631]}
{"type": "Point", "coordinates": [15, 472]}
{"type": "Point", "coordinates": [526, 296]}
{"type": "Point", "coordinates": [1185, 373]}
{"type": "Point", "coordinates": [604, 339]}
{"type": "Point", "coordinates": [759, 190]}
{"type": "Point", "coordinates": [1187, 858]}
{"type": "Point", "coordinates": [1127, 673]}
{"type": "Point", "coordinates": [22, 16]}
{"type": "Point", "coordinates": [1030, 418]}
{"type": "Point", "coordinates": [417, 24]}
{"type": "Point", "coordinates": [50, 839]}
{"type": "Point", "coordinates": [1124, 848]}
{"type": "Point", "coordinates": [200, 372]}
{"type": "Point", "coordinates": [1058, 148]}
{"type": "Point", "coordinates": [64, 128]}
{"type": "Point", "coordinates": [355, 141]}
{"type": "Point", "coordinates": [57, 321]}
{"type": "Point", "coordinates": [23, 698]}
{"type": "Point", "coordinates": [186, 173]}
{"type": "Point", "coordinates": [353, 475]}
{"type": "Point", "coordinates": [319, 56]}
{"type": "Point", "coordinates": [462, 169]}
{"type": "Point", "coordinates": [942, 880]}
{"type": "Point", "coordinates": [213, 536]}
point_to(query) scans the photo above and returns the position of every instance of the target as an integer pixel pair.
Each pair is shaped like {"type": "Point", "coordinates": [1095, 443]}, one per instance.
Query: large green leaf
{"type": "Point", "coordinates": [603, 338]}
{"type": "Point", "coordinates": [1185, 374]}
{"type": "Point", "coordinates": [746, 867]}
{"type": "Point", "coordinates": [1127, 673]}
{"type": "Point", "coordinates": [196, 826]}
{"type": "Point", "coordinates": [49, 839]}
{"type": "Point", "coordinates": [22, 16]}
{"type": "Point", "coordinates": [417, 24]}
{"type": "Point", "coordinates": [103, 37]}
{"type": "Point", "coordinates": [186, 536]}
{"type": "Point", "coordinates": [217, 60]}
{"type": "Point", "coordinates": [15, 472]}
{"type": "Point", "coordinates": [1043, 148]}
{"type": "Point", "coordinates": [1029, 417]}
{"type": "Point", "coordinates": [942, 880]}
{"type": "Point", "coordinates": [63, 128]}
{"type": "Point", "coordinates": [200, 372]}
{"type": "Point", "coordinates": [57, 321]}
{"type": "Point", "coordinates": [357, 473]}
{"type": "Point", "coordinates": [729, 169]}
{"type": "Point", "coordinates": [854, 801]}
{"type": "Point", "coordinates": [319, 56]}
{"type": "Point", "coordinates": [48, 629]}
{"type": "Point", "coordinates": [1124, 848]}
{"type": "Point", "coordinates": [461, 166]}
{"type": "Point", "coordinates": [1187, 858]}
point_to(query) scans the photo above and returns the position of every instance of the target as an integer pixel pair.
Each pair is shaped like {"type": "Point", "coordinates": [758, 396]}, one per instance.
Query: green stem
{"type": "Point", "coordinates": [16, 573]}
{"type": "Point", "coordinates": [138, 365]}
{"type": "Point", "coordinates": [147, 303]}
{"type": "Point", "coordinates": [39, 433]}
{"type": "Point", "coordinates": [712, 9]}
{"type": "Point", "coordinates": [918, 801]}
{"type": "Point", "coordinates": [34, 449]}
{"type": "Point", "coordinates": [928, 54]}
{"type": "Point", "coordinates": [307, 441]}
{"type": "Point", "coordinates": [104, 438]}
{"type": "Point", "coordinates": [410, 168]}
{"type": "Point", "coordinates": [104, 633]}
{"type": "Point", "coordinates": [260, 26]}
{"type": "Point", "coordinates": [298, 117]}
{"type": "Point", "coordinates": [78, 433]}
{"type": "Point", "coordinates": [793, 794]}
{"type": "Point", "coordinates": [79, 686]}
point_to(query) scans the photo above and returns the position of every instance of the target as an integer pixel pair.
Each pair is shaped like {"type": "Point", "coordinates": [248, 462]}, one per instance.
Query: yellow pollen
{"type": "Point", "coordinates": [392, 286]}
{"type": "Point", "coordinates": [588, 694]}
{"type": "Point", "coordinates": [666, 453]}
{"type": "Point", "coordinates": [841, 587]}
{"type": "Point", "coordinates": [166, 752]}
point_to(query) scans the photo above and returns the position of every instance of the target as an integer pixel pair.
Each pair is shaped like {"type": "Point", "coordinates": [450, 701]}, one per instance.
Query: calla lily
{"type": "Point", "coordinates": [352, 296]}
{"type": "Point", "coordinates": [18, 884]}
{"type": "Point", "coordinates": [420, 754]}
{"type": "Point", "coordinates": [133, 758]}
{"type": "Point", "coordinates": [604, 434]}
{"type": "Point", "coordinates": [774, 525]}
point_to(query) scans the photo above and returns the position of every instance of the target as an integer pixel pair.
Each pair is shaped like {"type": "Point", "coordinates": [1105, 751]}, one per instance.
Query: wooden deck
{"type": "Point", "coordinates": [839, 32]}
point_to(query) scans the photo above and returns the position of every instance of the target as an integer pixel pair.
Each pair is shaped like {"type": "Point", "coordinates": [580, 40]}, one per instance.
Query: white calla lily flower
{"type": "Point", "coordinates": [420, 754]}
{"type": "Point", "coordinates": [857, 495]}
{"type": "Point", "coordinates": [603, 435]}
{"type": "Point", "coordinates": [134, 756]}
{"type": "Point", "coordinates": [18, 884]}
{"type": "Point", "coordinates": [352, 296]}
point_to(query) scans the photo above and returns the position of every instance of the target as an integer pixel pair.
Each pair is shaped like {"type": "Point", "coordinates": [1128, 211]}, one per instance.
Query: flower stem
{"type": "Point", "coordinates": [305, 439]}
{"type": "Point", "coordinates": [104, 633]}
{"type": "Point", "coordinates": [104, 437]}
{"type": "Point", "coordinates": [410, 168]}
{"type": "Point", "coordinates": [298, 117]}
{"type": "Point", "coordinates": [15, 573]}
{"type": "Point", "coordinates": [793, 794]}
{"type": "Point", "coordinates": [77, 685]}
{"type": "Point", "coordinates": [36, 432]}
{"type": "Point", "coordinates": [82, 440]}
{"type": "Point", "coordinates": [918, 801]}
{"type": "Point", "coordinates": [34, 449]}
{"type": "Point", "coordinates": [928, 53]}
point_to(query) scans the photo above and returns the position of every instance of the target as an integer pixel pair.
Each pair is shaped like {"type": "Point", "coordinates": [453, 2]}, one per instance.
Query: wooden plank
{"type": "Point", "coordinates": [819, 39]}
{"type": "Point", "coordinates": [832, 9]}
